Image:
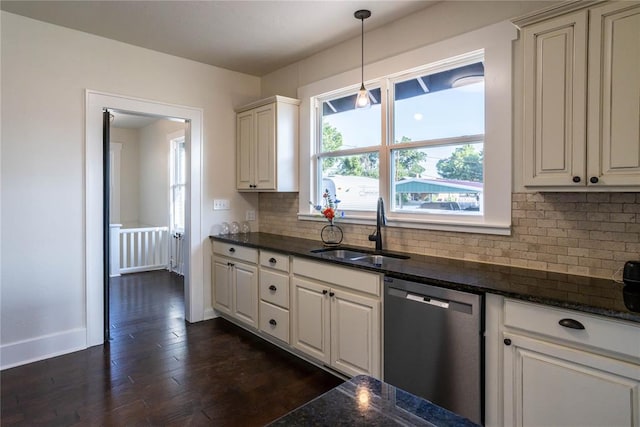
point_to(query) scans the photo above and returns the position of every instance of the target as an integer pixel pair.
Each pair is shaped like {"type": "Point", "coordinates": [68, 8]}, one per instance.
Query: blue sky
{"type": "Point", "coordinates": [442, 114]}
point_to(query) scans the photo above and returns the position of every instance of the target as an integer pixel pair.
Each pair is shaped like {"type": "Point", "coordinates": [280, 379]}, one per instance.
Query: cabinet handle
{"type": "Point", "coordinates": [593, 180]}
{"type": "Point", "coordinates": [331, 294]}
{"type": "Point", "coordinates": [576, 179]}
{"type": "Point", "coordinates": [571, 324]}
{"type": "Point", "coordinates": [232, 250]}
{"type": "Point", "coordinates": [324, 291]}
{"type": "Point", "coordinates": [507, 341]}
{"type": "Point", "coordinates": [273, 260]}
{"type": "Point", "coordinates": [272, 322]}
{"type": "Point", "coordinates": [273, 288]}
{"type": "Point", "coordinates": [230, 264]}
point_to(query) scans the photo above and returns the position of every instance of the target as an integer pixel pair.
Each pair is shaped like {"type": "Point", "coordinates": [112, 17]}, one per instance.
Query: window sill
{"type": "Point", "coordinates": [421, 224]}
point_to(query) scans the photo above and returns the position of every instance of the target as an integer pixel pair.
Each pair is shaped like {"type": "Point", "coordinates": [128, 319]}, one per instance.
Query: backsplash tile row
{"type": "Point", "coordinates": [587, 234]}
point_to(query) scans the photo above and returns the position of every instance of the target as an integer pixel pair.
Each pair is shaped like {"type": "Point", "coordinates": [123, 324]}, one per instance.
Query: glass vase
{"type": "Point", "coordinates": [331, 235]}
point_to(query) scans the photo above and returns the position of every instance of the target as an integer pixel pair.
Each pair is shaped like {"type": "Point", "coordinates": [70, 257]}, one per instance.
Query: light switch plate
{"type": "Point", "coordinates": [251, 215]}
{"type": "Point", "coordinates": [221, 204]}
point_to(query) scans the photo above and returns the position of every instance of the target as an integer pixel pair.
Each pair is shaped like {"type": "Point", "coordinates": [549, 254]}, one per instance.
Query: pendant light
{"type": "Point", "coordinates": [362, 100]}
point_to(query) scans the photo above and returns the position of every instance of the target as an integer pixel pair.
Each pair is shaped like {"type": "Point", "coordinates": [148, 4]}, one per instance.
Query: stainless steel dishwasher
{"type": "Point", "coordinates": [433, 345]}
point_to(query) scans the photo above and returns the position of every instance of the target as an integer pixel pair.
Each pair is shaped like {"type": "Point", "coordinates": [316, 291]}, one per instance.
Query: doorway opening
{"type": "Point", "coordinates": [95, 263]}
{"type": "Point", "coordinates": [146, 177]}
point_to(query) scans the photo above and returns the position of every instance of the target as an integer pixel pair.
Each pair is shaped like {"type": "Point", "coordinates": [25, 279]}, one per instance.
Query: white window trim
{"type": "Point", "coordinates": [171, 137]}
{"type": "Point", "coordinates": [496, 41]}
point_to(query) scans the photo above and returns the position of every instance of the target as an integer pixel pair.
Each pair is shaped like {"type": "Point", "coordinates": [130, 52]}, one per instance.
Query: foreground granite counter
{"type": "Point", "coordinates": [586, 294]}
{"type": "Point", "coordinates": [365, 401]}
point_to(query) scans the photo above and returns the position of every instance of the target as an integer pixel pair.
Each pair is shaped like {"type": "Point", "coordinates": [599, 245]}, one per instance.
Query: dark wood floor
{"type": "Point", "coordinates": [157, 370]}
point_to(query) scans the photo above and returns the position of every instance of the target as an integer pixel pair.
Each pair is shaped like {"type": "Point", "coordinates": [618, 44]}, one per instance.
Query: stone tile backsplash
{"type": "Point", "coordinates": [587, 234]}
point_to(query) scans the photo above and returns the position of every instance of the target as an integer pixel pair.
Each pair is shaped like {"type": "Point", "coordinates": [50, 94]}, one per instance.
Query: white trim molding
{"type": "Point", "coordinates": [96, 102]}
{"type": "Point", "coordinates": [43, 347]}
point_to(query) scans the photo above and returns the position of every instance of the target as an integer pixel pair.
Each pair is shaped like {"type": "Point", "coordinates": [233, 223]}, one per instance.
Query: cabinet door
{"type": "Point", "coordinates": [310, 318]}
{"type": "Point", "coordinates": [221, 275]}
{"type": "Point", "coordinates": [614, 94]}
{"type": "Point", "coordinates": [245, 150]}
{"type": "Point", "coordinates": [245, 287]}
{"type": "Point", "coordinates": [265, 139]}
{"type": "Point", "coordinates": [555, 101]}
{"type": "Point", "coordinates": [551, 385]}
{"type": "Point", "coordinates": [355, 334]}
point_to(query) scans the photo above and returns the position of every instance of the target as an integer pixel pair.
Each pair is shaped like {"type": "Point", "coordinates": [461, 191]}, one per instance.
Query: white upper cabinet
{"type": "Point", "coordinates": [582, 99]}
{"type": "Point", "coordinates": [614, 85]}
{"type": "Point", "coordinates": [554, 94]}
{"type": "Point", "coordinates": [267, 145]}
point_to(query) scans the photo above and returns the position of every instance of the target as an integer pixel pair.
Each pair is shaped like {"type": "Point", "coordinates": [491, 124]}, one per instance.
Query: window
{"type": "Point", "coordinates": [349, 155]}
{"type": "Point", "coordinates": [435, 145]}
{"type": "Point", "coordinates": [178, 184]}
{"type": "Point", "coordinates": [434, 161]}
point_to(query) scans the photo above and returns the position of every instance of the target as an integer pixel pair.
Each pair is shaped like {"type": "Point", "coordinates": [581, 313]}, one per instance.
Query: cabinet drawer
{"type": "Point", "coordinates": [601, 333]}
{"type": "Point", "coordinates": [236, 251]}
{"type": "Point", "coordinates": [274, 288]}
{"type": "Point", "coordinates": [274, 321]}
{"type": "Point", "coordinates": [342, 276]}
{"type": "Point", "coordinates": [274, 260]}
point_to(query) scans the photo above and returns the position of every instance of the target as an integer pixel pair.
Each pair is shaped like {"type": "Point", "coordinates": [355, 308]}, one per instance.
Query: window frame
{"type": "Point", "coordinates": [495, 42]}
{"type": "Point", "coordinates": [177, 142]}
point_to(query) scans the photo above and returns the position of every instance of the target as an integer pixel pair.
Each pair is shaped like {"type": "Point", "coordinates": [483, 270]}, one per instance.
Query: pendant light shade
{"type": "Point", "coordinates": [362, 100]}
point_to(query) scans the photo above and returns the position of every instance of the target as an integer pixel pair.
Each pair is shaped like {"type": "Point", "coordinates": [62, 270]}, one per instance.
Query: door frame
{"type": "Point", "coordinates": [95, 103]}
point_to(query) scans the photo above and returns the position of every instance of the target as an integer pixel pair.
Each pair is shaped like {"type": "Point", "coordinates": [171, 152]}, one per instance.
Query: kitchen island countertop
{"type": "Point", "coordinates": [365, 401]}
{"type": "Point", "coordinates": [586, 294]}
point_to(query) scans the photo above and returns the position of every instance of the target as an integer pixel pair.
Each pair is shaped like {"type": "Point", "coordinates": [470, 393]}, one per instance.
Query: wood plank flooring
{"type": "Point", "coordinates": [158, 370]}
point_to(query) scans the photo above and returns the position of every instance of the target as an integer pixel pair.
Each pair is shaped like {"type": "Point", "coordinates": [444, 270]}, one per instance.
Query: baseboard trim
{"type": "Point", "coordinates": [209, 313]}
{"type": "Point", "coordinates": [43, 347]}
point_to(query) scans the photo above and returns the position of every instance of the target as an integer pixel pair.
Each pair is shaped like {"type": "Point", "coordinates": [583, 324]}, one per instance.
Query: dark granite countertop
{"type": "Point", "coordinates": [365, 401]}
{"type": "Point", "coordinates": [587, 294]}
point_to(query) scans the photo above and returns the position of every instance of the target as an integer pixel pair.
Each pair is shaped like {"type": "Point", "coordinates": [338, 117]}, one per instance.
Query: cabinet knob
{"type": "Point", "coordinates": [272, 322]}
{"type": "Point", "coordinates": [324, 291]}
{"type": "Point", "coordinates": [593, 180]}
{"type": "Point", "coordinates": [576, 179]}
{"type": "Point", "coordinates": [273, 288]}
{"type": "Point", "coordinates": [230, 264]}
{"type": "Point", "coordinates": [272, 260]}
{"type": "Point", "coordinates": [232, 250]}
{"type": "Point", "coordinates": [507, 341]}
{"type": "Point", "coordinates": [331, 294]}
{"type": "Point", "coordinates": [571, 324]}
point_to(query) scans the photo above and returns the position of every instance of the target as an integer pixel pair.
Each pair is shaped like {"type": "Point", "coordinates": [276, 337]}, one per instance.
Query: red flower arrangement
{"type": "Point", "coordinates": [330, 206]}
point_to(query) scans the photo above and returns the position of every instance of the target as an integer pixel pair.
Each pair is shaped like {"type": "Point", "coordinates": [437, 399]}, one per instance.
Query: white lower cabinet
{"type": "Point", "coordinates": [547, 366]}
{"type": "Point", "coordinates": [552, 385]}
{"type": "Point", "coordinates": [274, 321]}
{"type": "Point", "coordinates": [337, 327]}
{"type": "Point", "coordinates": [245, 287]}
{"type": "Point", "coordinates": [235, 282]}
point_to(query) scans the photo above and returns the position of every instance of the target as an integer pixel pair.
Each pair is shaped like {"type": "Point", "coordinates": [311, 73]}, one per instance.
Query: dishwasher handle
{"type": "Point", "coordinates": [427, 300]}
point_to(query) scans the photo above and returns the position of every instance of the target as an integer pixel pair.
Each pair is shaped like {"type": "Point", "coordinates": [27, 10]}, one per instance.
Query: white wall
{"type": "Point", "coordinates": [129, 174]}
{"type": "Point", "coordinates": [45, 70]}
{"type": "Point", "coordinates": [154, 173]}
{"type": "Point", "coordinates": [438, 22]}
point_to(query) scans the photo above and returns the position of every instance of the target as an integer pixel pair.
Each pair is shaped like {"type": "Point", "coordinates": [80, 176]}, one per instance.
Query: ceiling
{"type": "Point", "coordinates": [254, 37]}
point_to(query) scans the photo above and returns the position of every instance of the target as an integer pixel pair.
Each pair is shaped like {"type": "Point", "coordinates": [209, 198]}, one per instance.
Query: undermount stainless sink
{"type": "Point", "coordinates": [347, 254]}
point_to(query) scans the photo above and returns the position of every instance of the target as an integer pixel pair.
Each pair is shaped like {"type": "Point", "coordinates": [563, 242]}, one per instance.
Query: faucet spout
{"type": "Point", "coordinates": [381, 221]}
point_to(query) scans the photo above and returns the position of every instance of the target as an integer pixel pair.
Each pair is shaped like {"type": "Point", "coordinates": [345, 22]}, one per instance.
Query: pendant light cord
{"type": "Point", "coordinates": [362, 50]}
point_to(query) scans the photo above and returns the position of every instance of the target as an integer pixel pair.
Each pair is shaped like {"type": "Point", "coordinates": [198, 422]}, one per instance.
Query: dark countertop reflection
{"type": "Point", "coordinates": [365, 401]}
{"type": "Point", "coordinates": [587, 294]}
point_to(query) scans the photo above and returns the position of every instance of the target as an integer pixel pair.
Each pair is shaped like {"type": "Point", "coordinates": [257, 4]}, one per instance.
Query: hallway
{"type": "Point", "coordinates": [157, 370]}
